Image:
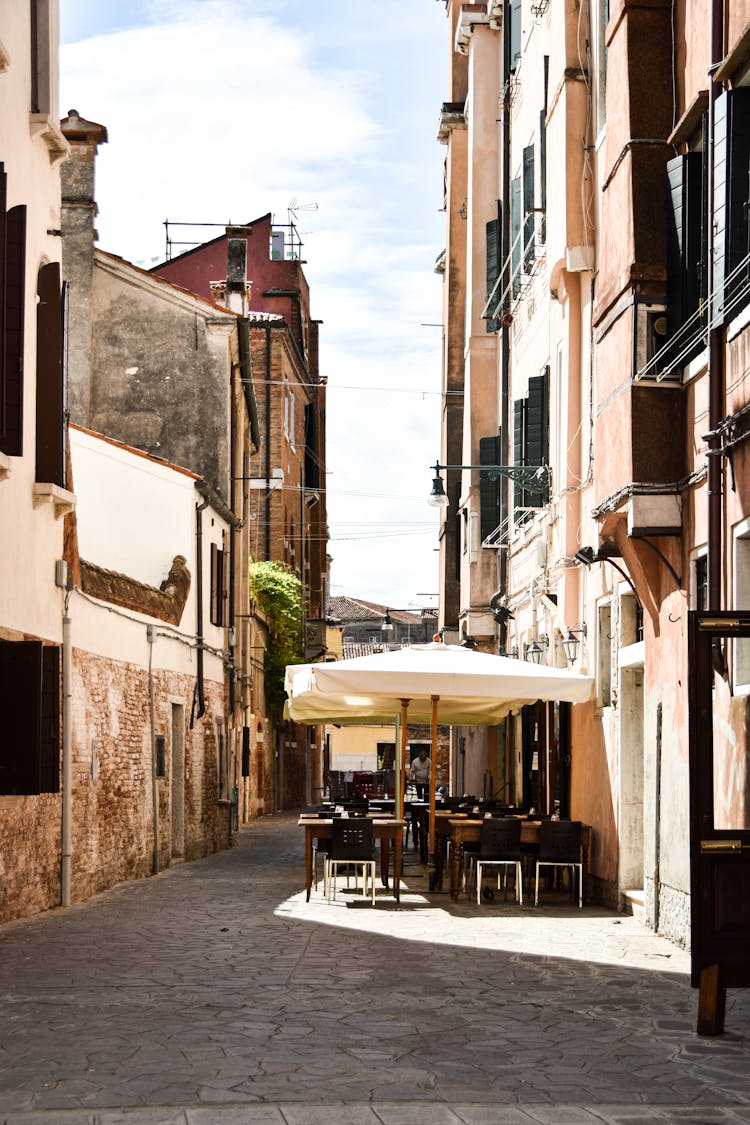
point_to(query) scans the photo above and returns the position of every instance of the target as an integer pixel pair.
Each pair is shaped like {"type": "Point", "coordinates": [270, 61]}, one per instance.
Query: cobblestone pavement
{"type": "Point", "coordinates": [214, 994]}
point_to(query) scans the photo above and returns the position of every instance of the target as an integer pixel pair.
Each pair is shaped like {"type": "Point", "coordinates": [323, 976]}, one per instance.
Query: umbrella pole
{"type": "Point", "coordinates": [402, 759]}
{"type": "Point", "coordinates": [433, 775]}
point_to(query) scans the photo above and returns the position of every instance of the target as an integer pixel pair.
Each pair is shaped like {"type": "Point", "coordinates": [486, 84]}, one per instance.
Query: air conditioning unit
{"type": "Point", "coordinates": [651, 333]}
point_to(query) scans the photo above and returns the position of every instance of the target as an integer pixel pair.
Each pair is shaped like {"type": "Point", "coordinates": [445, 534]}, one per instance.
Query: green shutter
{"type": "Point", "coordinates": [493, 267]}
{"type": "Point", "coordinates": [515, 235]}
{"type": "Point", "coordinates": [528, 208]}
{"type": "Point", "coordinates": [515, 34]}
{"type": "Point", "coordinates": [537, 431]}
{"type": "Point", "coordinates": [490, 490]}
{"type": "Point", "coordinates": [519, 412]}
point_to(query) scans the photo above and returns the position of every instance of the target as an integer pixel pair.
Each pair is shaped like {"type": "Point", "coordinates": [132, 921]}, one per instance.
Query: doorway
{"type": "Point", "coordinates": [630, 819]}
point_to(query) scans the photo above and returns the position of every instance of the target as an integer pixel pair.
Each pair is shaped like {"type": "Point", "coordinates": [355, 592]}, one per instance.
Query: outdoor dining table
{"type": "Point", "coordinates": [386, 829]}
{"type": "Point", "coordinates": [464, 830]}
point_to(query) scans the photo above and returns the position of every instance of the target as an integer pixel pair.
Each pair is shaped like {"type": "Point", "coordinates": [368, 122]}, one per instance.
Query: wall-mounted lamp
{"type": "Point", "coordinates": [572, 642]}
{"type": "Point", "coordinates": [534, 652]}
{"type": "Point", "coordinates": [387, 628]}
{"type": "Point", "coordinates": [529, 477]}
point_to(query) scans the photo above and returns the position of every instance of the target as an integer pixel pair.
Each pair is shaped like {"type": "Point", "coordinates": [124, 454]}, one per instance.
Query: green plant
{"type": "Point", "coordinates": [279, 593]}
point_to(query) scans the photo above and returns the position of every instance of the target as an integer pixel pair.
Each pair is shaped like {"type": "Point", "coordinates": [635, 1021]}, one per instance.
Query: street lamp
{"type": "Point", "coordinates": [532, 478]}
{"type": "Point", "coordinates": [387, 628]}
{"type": "Point", "coordinates": [534, 653]}
{"type": "Point", "coordinates": [572, 642]}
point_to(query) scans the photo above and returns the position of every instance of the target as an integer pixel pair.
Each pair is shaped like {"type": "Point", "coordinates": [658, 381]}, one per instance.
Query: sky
{"type": "Point", "coordinates": [220, 111]}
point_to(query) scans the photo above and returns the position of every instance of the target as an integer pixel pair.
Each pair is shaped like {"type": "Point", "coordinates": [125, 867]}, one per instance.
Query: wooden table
{"type": "Point", "coordinates": [464, 830]}
{"type": "Point", "coordinates": [386, 829]}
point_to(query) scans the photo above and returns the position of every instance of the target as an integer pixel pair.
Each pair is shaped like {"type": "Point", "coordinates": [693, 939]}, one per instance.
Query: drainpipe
{"type": "Point", "coordinates": [268, 443]}
{"type": "Point", "coordinates": [657, 819]}
{"type": "Point", "coordinates": [505, 331]}
{"type": "Point", "coordinates": [151, 638]}
{"type": "Point", "coordinates": [715, 352]}
{"type": "Point", "coordinates": [67, 758]}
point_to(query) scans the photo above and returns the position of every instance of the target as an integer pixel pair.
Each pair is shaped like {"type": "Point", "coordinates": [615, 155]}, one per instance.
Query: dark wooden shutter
{"type": "Point", "coordinates": [492, 239]}
{"type": "Point", "coordinates": [49, 745]}
{"type": "Point", "coordinates": [543, 169]}
{"type": "Point", "coordinates": [50, 445]}
{"type": "Point", "coordinates": [528, 208]}
{"type": "Point", "coordinates": [30, 709]}
{"type": "Point", "coordinates": [490, 491]}
{"type": "Point", "coordinates": [720, 203]}
{"type": "Point", "coordinates": [3, 202]}
{"type": "Point", "coordinates": [515, 235]}
{"type": "Point", "coordinates": [246, 751]}
{"type": "Point", "coordinates": [217, 585]}
{"type": "Point", "coordinates": [11, 436]}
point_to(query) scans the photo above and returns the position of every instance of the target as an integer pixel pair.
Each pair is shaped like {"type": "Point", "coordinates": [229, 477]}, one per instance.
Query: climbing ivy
{"type": "Point", "coordinates": [279, 593]}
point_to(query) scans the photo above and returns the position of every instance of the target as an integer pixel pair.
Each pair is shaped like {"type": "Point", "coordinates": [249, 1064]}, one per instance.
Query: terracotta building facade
{"type": "Point", "coordinates": [595, 355]}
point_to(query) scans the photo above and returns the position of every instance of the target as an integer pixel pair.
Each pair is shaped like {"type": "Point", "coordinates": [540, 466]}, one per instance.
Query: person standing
{"type": "Point", "coordinates": [420, 772]}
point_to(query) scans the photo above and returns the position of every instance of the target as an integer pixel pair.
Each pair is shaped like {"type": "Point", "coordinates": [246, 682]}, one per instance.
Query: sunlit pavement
{"type": "Point", "coordinates": [214, 994]}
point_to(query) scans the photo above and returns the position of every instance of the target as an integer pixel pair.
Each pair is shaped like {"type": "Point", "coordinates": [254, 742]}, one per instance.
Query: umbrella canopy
{"type": "Point", "coordinates": [474, 688]}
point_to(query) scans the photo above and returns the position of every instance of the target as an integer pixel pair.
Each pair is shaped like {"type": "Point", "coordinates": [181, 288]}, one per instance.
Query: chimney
{"type": "Point", "coordinates": [79, 212]}
{"type": "Point", "coordinates": [237, 288]}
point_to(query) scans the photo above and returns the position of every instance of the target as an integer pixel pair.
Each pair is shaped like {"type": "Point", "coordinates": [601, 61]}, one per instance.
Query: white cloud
{"type": "Point", "coordinates": [223, 110]}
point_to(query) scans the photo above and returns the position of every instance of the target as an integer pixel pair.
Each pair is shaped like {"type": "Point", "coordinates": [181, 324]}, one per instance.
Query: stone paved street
{"type": "Point", "coordinates": [214, 994]}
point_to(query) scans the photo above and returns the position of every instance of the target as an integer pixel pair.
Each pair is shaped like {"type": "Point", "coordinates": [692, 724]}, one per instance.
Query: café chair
{"type": "Point", "coordinates": [500, 847]}
{"type": "Point", "coordinates": [352, 846]}
{"type": "Point", "coordinates": [560, 846]}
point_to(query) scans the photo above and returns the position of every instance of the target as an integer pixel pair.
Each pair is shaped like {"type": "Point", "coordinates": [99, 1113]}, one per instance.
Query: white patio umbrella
{"type": "Point", "coordinates": [433, 683]}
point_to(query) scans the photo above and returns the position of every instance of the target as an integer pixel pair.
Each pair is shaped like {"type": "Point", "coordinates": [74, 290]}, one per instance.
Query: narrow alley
{"type": "Point", "coordinates": [214, 994]}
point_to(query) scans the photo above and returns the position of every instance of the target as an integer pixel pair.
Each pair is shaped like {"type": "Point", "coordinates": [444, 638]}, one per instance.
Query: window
{"type": "Point", "coordinates": [531, 443]}
{"type": "Point", "coordinates": [700, 583]}
{"type": "Point", "coordinates": [160, 748]}
{"type": "Point", "coordinates": [312, 462]}
{"type": "Point", "coordinates": [514, 38]}
{"type": "Point", "coordinates": [687, 252]}
{"type": "Point", "coordinates": [218, 585]}
{"type": "Point", "coordinates": [528, 208]}
{"type": "Point", "coordinates": [601, 98]}
{"type": "Point", "coordinates": [289, 414]}
{"type": "Point", "coordinates": [12, 290]}
{"type": "Point", "coordinates": [222, 763]}
{"type": "Point", "coordinates": [604, 655]}
{"type": "Point", "coordinates": [30, 709]}
{"type": "Point", "coordinates": [731, 167]}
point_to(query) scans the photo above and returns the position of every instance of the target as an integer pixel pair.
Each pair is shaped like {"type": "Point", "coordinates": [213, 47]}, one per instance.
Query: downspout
{"type": "Point", "coordinates": [151, 638]}
{"type": "Point", "coordinates": [67, 758]}
{"type": "Point", "coordinates": [267, 457]}
{"type": "Point", "coordinates": [715, 336]}
{"type": "Point", "coordinates": [505, 330]}
{"type": "Point", "coordinates": [657, 820]}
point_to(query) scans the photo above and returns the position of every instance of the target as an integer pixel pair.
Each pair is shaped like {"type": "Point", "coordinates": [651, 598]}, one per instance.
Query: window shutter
{"type": "Point", "coordinates": [519, 412]}
{"type": "Point", "coordinates": [528, 208]}
{"type": "Point", "coordinates": [3, 201]}
{"type": "Point", "coordinates": [11, 436]}
{"type": "Point", "coordinates": [21, 710]}
{"type": "Point", "coordinates": [217, 585]}
{"type": "Point", "coordinates": [246, 751]}
{"type": "Point", "coordinates": [49, 745]}
{"type": "Point", "coordinates": [515, 34]}
{"type": "Point", "coordinates": [537, 431]}
{"type": "Point", "coordinates": [515, 235]}
{"type": "Point", "coordinates": [543, 168]}
{"type": "Point", "coordinates": [490, 491]}
{"type": "Point", "coordinates": [492, 232]}
{"type": "Point", "coordinates": [50, 447]}
{"type": "Point", "coordinates": [684, 251]}
{"type": "Point", "coordinates": [731, 179]}
{"type": "Point", "coordinates": [312, 470]}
